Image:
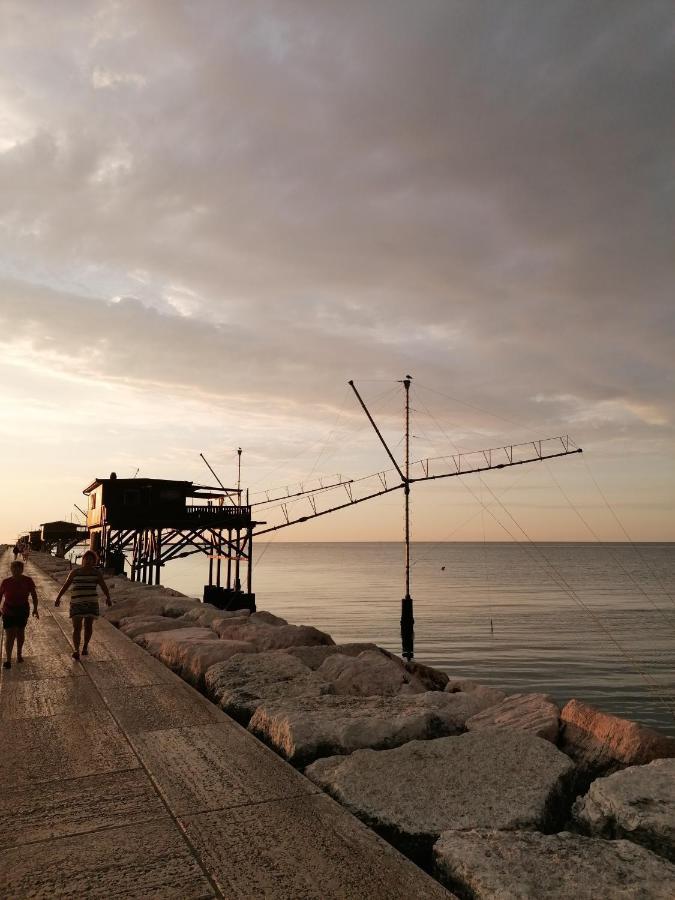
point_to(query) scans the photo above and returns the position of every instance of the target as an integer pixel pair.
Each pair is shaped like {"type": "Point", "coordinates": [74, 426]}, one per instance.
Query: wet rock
{"type": "Point", "coordinates": [491, 695]}
{"type": "Point", "coordinates": [368, 674]}
{"type": "Point", "coordinates": [432, 679]}
{"type": "Point", "coordinates": [534, 713]}
{"type": "Point", "coordinates": [242, 683]}
{"type": "Point", "coordinates": [303, 729]}
{"type": "Point", "coordinates": [493, 865]}
{"type": "Point", "coordinates": [267, 618]}
{"type": "Point", "coordinates": [313, 657]}
{"type": "Point", "coordinates": [195, 659]}
{"type": "Point", "coordinates": [156, 602]}
{"type": "Point", "coordinates": [161, 644]}
{"type": "Point", "coordinates": [637, 803]}
{"type": "Point", "coordinates": [206, 615]}
{"type": "Point", "coordinates": [600, 743]}
{"type": "Point", "coordinates": [224, 625]}
{"type": "Point", "coordinates": [191, 651]}
{"type": "Point", "coordinates": [504, 780]}
{"type": "Point", "coordinates": [137, 625]}
{"type": "Point", "coordinates": [271, 637]}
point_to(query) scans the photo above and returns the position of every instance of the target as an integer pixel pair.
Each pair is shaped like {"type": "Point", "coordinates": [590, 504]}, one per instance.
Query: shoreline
{"type": "Point", "coordinates": [542, 636]}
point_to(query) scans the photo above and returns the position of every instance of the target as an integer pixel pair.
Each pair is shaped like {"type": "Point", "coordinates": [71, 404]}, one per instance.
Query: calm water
{"type": "Point", "coordinates": [573, 620]}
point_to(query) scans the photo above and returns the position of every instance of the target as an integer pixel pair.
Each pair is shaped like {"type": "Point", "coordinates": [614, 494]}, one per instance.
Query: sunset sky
{"type": "Point", "coordinates": [214, 214]}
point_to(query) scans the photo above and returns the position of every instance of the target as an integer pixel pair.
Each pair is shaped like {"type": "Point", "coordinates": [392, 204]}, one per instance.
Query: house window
{"type": "Point", "coordinates": [92, 501]}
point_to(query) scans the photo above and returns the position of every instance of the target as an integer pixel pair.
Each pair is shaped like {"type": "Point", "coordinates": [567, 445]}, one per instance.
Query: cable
{"type": "Point", "coordinates": [628, 537]}
{"type": "Point", "coordinates": [651, 683]}
{"type": "Point", "coordinates": [591, 531]}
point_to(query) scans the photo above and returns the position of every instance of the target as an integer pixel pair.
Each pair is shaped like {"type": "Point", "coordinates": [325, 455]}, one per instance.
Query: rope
{"type": "Point", "coordinates": [651, 683]}
{"type": "Point", "coordinates": [591, 531]}
{"type": "Point", "coordinates": [628, 537]}
{"type": "Point", "coordinates": [558, 579]}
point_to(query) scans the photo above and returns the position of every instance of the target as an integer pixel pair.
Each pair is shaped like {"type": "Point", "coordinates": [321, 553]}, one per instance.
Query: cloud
{"type": "Point", "coordinates": [282, 196]}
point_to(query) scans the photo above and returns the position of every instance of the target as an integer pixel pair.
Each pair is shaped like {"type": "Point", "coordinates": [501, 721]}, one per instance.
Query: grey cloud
{"type": "Point", "coordinates": [481, 191]}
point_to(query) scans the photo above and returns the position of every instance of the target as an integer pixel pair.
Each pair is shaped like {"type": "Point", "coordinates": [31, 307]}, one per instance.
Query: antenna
{"type": "Point", "coordinates": [407, 618]}
{"type": "Point", "coordinates": [215, 476]}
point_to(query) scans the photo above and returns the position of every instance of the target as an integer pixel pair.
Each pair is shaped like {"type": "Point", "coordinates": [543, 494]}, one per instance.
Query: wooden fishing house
{"type": "Point", "coordinates": [60, 537]}
{"type": "Point", "coordinates": [148, 522]}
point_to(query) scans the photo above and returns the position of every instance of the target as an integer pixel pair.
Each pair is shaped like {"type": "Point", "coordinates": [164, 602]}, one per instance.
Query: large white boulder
{"type": "Point", "coordinates": [242, 683]}
{"type": "Point", "coordinates": [191, 651]}
{"type": "Point", "coordinates": [368, 674]}
{"type": "Point", "coordinates": [522, 865]}
{"type": "Point", "coordinates": [262, 617]}
{"type": "Point", "coordinates": [206, 615]}
{"type": "Point", "coordinates": [197, 658]}
{"type": "Point", "coordinates": [637, 803]}
{"type": "Point", "coordinates": [314, 657]}
{"type": "Point", "coordinates": [143, 600]}
{"type": "Point", "coordinates": [163, 644]}
{"type": "Point", "coordinates": [491, 695]}
{"type": "Point", "coordinates": [601, 743]}
{"type": "Point", "coordinates": [302, 729]}
{"type": "Point", "coordinates": [271, 637]}
{"type": "Point", "coordinates": [133, 626]}
{"type": "Point", "coordinates": [535, 713]}
{"type": "Point", "coordinates": [505, 780]}
{"type": "Point", "coordinates": [432, 679]}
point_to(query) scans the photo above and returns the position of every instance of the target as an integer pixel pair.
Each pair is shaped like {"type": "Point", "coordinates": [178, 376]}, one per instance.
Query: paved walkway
{"type": "Point", "coordinates": [119, 780]}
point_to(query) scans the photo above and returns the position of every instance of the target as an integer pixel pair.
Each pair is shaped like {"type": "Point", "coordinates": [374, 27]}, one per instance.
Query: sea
{"type": "Point", "coordinates": [591, 621]}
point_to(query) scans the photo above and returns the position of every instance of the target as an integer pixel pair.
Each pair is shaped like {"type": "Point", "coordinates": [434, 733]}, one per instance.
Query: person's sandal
{"type": "Point", "coordinates": [7, 665]}
{"type": "Point", "coordinates": [76, 655]}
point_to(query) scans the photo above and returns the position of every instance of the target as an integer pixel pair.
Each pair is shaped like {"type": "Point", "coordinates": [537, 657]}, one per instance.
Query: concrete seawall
{"type": "Point", "coordinates": [481, 789]}
{"type": "Point", "coordinates": [121, 780]}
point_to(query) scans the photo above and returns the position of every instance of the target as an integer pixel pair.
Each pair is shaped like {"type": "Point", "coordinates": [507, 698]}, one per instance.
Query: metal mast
{"type": "Point", "coordinates": [407, 619]}
{"type": "Point", "coordinates": [452, 466]}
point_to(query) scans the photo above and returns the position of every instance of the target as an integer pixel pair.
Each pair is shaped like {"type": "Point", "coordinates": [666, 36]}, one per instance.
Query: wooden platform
{"type": "Point", "coordinates": [120, 780]}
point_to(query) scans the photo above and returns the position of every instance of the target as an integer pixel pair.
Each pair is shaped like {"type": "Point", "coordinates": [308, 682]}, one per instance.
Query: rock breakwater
{"type": "Point", "coordinates": [479, 787]}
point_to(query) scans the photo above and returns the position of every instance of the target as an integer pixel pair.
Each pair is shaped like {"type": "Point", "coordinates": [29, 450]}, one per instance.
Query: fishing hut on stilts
{"type": "Point", "coordinates": [151, 521]}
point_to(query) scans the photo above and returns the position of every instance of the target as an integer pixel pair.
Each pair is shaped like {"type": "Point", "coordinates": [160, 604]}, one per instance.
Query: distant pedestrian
{"type": "Point", "coordinates": [16, 550]}
{"type": "Point", "coordinates": [84, 599]}
{"type": "Point", "coordinates": [15, 608]}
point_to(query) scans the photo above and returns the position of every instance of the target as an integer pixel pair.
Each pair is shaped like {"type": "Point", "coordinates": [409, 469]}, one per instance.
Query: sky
{"type": "Point", "coordinates": [215, 214]}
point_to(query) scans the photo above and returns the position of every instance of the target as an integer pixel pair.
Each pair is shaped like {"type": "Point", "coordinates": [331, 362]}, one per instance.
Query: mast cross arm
{"type": "Point", "coordinates": [496, 458]}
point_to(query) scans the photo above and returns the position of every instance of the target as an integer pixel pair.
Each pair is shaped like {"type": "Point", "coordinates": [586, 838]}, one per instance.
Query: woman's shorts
{"type": "Point", "coordinates": [83, 608]}
{"type": "Point", "coordinates": [15, 619]}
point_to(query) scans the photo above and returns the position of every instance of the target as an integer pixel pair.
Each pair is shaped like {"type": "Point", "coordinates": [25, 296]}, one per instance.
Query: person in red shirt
{"type": "Point", "coordinates": [15, 609]}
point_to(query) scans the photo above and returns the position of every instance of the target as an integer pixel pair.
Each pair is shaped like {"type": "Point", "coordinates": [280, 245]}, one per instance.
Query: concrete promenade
{"type": "Point", "coordinates": [119, 780]}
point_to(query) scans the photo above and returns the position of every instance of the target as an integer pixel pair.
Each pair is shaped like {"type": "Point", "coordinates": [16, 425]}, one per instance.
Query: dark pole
{"type": "Point", "coordinates": [229, 559]}
{"type": "Point", "coordinates": [407, 619]}
{"type": "Point", "coordinates": [249, 573]}
{"type": "Point", "coordinates": [237, 582]}
{"type": "Point", "coordinates": [239, 476]}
